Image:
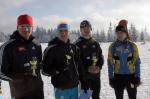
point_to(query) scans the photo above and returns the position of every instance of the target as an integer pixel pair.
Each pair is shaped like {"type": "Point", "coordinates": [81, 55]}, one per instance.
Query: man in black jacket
{"type": "Point", "coordinates": [20, 59]}
{"type": "Point", "coordinates": [92, 58]}
{"type": "Point", "coordinates": [62, 62]}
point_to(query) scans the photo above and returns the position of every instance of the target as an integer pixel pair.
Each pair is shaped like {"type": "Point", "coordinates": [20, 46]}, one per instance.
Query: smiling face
{"type": "Point", "coordinates": [85, 31]}
{"type": "Point", "coordinates": [121, 35]}
{"type": "Point", "coordinates": [63, 35]}
{"type": "Point", "coordinates": [25, 30]}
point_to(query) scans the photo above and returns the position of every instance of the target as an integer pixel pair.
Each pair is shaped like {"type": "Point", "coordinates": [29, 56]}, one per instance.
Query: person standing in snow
{"type": "Point", "coordinates": [20, 59]}
{"type": "Point", "coordinates": [92, 58]}
{"type": "Point", "coordinates": [61, 61]}
{"type": "Point", "coordinates": [124, 63]}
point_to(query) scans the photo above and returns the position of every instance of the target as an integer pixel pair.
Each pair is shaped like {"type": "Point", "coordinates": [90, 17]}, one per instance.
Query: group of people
{"type": "Point", "coordinates": [71, 66]}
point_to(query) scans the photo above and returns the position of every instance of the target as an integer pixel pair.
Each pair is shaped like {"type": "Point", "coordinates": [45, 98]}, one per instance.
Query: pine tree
{"type": "Point", "coordinates": [110, 34]}
{"type": "Point", "coordinates": [133, 33]}
{"type": "Point", "coordinates": [142, 38]}
{"type": "Point", "coordinates": [102, 36]}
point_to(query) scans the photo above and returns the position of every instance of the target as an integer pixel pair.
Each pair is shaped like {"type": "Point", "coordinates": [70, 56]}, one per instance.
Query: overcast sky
{"type": "Point", "coordinates": [48, 13]}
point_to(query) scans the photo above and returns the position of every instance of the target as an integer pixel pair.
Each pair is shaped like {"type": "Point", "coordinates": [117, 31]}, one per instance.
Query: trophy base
{"type": "Point", "coordinates": [94, 70]}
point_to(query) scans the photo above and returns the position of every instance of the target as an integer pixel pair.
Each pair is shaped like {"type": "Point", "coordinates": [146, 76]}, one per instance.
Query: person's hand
{"type": "Point", "coordinates": [136, 81]}
{"type": "Point", "coordinates": [55, 73]}
{"type": "Point", "coordinates": [94, 69]}
{"type": "Point", "coordinates": [112, 82]}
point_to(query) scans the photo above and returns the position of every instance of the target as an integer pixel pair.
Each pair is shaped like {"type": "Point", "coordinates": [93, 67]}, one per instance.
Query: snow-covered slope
{"type": "Point", "coordinates": [106, 91]}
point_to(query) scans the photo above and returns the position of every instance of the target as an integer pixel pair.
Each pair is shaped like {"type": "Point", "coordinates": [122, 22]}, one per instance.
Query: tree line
{"type": "Point", "coordinates": [44, 35]}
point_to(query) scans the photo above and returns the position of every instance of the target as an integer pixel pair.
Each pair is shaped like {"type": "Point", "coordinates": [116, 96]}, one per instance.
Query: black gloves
{"type": "Point", "coordinates": [112, 82]}
{"type": "Point", "coordinates": [136, 81]}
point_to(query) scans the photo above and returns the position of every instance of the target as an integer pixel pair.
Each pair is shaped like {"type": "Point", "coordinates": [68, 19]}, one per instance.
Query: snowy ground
{"type": "Point", "coordinates": [106, 91]}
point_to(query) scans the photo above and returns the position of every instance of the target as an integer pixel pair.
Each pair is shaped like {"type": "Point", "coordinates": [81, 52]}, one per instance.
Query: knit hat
{"type": "Point", "coordinates": [85, 23]}
{"type": "Point", "coordinates": [24, 19]}
{"type": "Point", "coordinates": [121, 28]}
{"type": "Point", "coordinates": [123, 22]}
{"type": "Point", "coordinates": [62, 26]}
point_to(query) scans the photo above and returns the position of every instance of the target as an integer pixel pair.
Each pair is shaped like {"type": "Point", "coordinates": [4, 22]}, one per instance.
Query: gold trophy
{"type": "Point", "coordinates": [68, 57]}
{"type": "Point", "coordinates": [34, 66]}
{"type": "Point", "coordinates": [94, 60]}
{"type": "Point", "coordinates": [94, 69]}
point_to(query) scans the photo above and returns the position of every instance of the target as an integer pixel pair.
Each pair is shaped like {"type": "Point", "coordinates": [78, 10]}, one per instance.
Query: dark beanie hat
{"type": "Point", "coordinates": [85, 23]}
{"type": "Point", "coordinates": [121, 28]}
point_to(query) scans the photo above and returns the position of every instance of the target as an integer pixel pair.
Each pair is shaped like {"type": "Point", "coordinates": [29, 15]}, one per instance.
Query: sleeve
{"type": "Point", "coordinates": [110, 63]}
{"type": "Point", "coordinates": [40, 53]}
{"type": "Point", "coordinates": [48, 67]}
{"type": "Point", "coordinates": [137, 61]}
{"type": "Point", "coordinates": [5, 63]}
{"type": "Point", "coordinates": [100, 62]}
{"type": "Point", "coordinates": [40, 57]}
{"type": "Point", "coordinates": [80, 65]}
{"type": "Point", "coordinates": [137, 68]}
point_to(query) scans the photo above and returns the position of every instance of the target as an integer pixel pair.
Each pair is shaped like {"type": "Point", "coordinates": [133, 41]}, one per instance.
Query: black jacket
{"type": "Point", "coordinates": [61, 61]}
{"type": "Point", "coordinates": [15, 62]}
{"type": "Point", "coordinates": [90, 48]}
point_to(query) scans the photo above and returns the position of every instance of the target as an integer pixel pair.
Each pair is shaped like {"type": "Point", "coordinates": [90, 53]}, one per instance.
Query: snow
{"type": "Point", "coordinates": [106, 91]}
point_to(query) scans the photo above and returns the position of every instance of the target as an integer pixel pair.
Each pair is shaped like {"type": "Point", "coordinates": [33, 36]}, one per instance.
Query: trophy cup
{"type": "Point", "coordinates": [34, 66]}
{"type": "Point", "coordinates": [68, 57]}
{"type": "Point", "coordinates": [94, 59]}
{"type": "Point", "coordinates": [94, 69]}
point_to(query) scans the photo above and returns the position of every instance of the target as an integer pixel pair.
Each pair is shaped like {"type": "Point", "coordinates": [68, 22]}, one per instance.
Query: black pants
{"type": "Point", "coordinates": [124, 82]}
{"type": "Point", "coordinates": [0, 83]}
{"type": "Point", "coordinates": [33, 95]}
{"type": "Point", "coordinates": [95, 86]}
{"type": "Point", "coordinates": [0, 87]}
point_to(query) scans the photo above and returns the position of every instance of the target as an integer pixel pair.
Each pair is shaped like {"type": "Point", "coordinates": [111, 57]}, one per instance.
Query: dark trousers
{"type": "Point", "coordinates": [33, 95]}
{"type": "Point", "coordinates": [0, 87]}
{"type": "Point", "coordinates": [95, 86]}
{"type": "Point", "coordinates": [122, 83]}
{"type": "Point", "coordinates": [0, 83]}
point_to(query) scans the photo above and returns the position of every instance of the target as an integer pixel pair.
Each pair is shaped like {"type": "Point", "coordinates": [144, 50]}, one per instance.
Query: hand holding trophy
{"type": "Point", "coordinates": [34, 66]}
{"type": "Point", "coordinates": [94, 69]}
